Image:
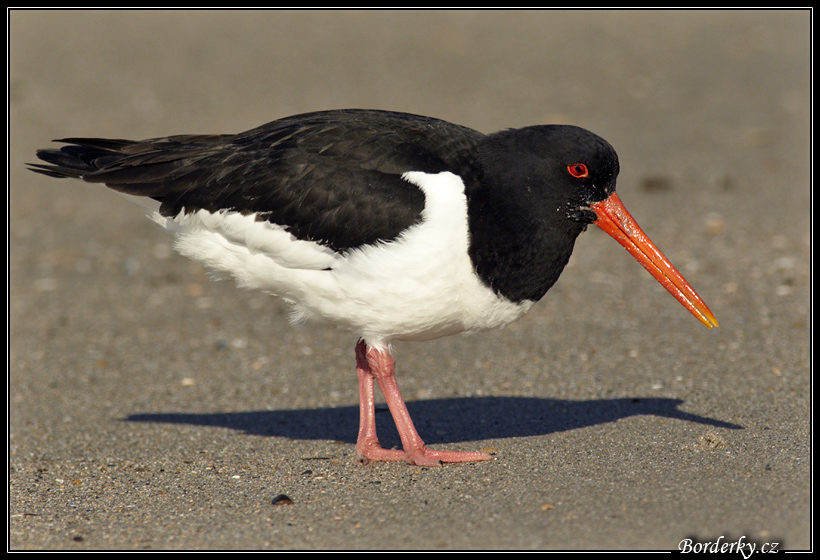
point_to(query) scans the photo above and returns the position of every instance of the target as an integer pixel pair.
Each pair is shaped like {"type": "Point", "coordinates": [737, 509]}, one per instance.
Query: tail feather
{"type": "Point", "coordinates": [81, 157]}
{"type": "Point", "coordinates": [151, 168]}
{"type": "Point", "coordinates": [119, 162]}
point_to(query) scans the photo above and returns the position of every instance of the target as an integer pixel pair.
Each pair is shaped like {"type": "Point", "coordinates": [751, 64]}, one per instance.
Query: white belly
{"type": "Point", "coordinates": [421, 285]}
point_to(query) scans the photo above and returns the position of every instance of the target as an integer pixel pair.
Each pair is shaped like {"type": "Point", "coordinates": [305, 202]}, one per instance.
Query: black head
{"type": "Point", "coordinates": [532, 201]}
{"type": "Point", "coordinates": [556, 166]}
{"type": "Point", "coordinates": [541, 187]}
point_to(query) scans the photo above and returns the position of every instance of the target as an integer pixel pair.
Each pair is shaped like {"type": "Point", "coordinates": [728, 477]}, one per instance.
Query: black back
{"type": "Point", "coordinates": [333, 177]}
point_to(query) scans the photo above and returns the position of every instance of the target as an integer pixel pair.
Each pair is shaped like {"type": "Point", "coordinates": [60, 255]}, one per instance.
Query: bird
{"type": "Point", "coordinates": [393, 226]}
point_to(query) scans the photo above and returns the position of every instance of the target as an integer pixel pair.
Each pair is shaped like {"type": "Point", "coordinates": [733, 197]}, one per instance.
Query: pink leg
{"type": "Point", "coordinates": [379, 366]}
{"type": "Point", "coordinates": [367, 444]}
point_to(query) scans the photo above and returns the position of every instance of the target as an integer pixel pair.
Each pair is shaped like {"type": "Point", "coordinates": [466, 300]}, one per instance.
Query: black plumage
{"type": "Point", "coordinates": [317, 174]}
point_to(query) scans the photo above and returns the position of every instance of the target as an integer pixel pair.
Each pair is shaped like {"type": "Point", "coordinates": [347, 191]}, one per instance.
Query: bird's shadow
{"type": "Point", "coordinates": [442, 420]}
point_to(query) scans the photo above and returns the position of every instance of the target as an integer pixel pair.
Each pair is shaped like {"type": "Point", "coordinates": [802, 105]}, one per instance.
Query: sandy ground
{"type": "Point", "coordinates": [151, 408]}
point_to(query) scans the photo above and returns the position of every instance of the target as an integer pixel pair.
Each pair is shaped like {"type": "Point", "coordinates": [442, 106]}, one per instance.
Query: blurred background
{"type": "Point", "coordinates": [139, 389]}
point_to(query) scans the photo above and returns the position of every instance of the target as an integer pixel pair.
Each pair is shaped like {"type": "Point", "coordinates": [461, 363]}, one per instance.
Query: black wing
{"type": "Point", "coordinates": [333, 177]}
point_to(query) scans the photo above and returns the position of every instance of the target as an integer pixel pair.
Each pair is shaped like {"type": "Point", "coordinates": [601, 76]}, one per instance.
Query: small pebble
{"type": "Point", "coordinates": [282, 500]}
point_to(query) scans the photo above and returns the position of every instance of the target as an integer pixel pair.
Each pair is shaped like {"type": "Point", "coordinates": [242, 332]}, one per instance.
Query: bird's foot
{"type": "Point", "coordinates": [421, 456]}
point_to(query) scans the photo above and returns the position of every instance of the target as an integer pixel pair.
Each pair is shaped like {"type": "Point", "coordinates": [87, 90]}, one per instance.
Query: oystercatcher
{"type": "Point", "coordinates": [394, 226]}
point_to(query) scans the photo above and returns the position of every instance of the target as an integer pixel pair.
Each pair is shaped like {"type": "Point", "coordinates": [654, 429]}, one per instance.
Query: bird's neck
{"type": "Point", "coordinates": [519, 252]}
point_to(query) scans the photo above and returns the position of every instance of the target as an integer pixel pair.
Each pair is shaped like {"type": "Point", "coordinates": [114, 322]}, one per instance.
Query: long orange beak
{"type": "Point", "coordinates": [614, 219]}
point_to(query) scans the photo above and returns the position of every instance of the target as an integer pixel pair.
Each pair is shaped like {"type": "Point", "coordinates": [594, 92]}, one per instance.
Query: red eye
{"type": "Point", "coordinates": [578, 170]}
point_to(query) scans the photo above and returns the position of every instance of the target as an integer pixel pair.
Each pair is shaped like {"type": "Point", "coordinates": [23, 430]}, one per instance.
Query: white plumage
{"type": "Point", "coordinates": [420, 286]}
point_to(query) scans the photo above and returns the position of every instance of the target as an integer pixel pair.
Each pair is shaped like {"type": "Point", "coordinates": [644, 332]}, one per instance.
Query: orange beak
{"type": "Point", "coordinates": [614, 219]}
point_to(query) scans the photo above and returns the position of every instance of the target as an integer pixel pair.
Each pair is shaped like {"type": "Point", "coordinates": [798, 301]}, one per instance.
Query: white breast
{"type": "Point", "coordinates": [421, 285]}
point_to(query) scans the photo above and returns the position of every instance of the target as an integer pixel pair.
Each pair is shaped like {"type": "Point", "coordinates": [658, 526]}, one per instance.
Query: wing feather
{"type": "Point", "coordinates": [333, 177]}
